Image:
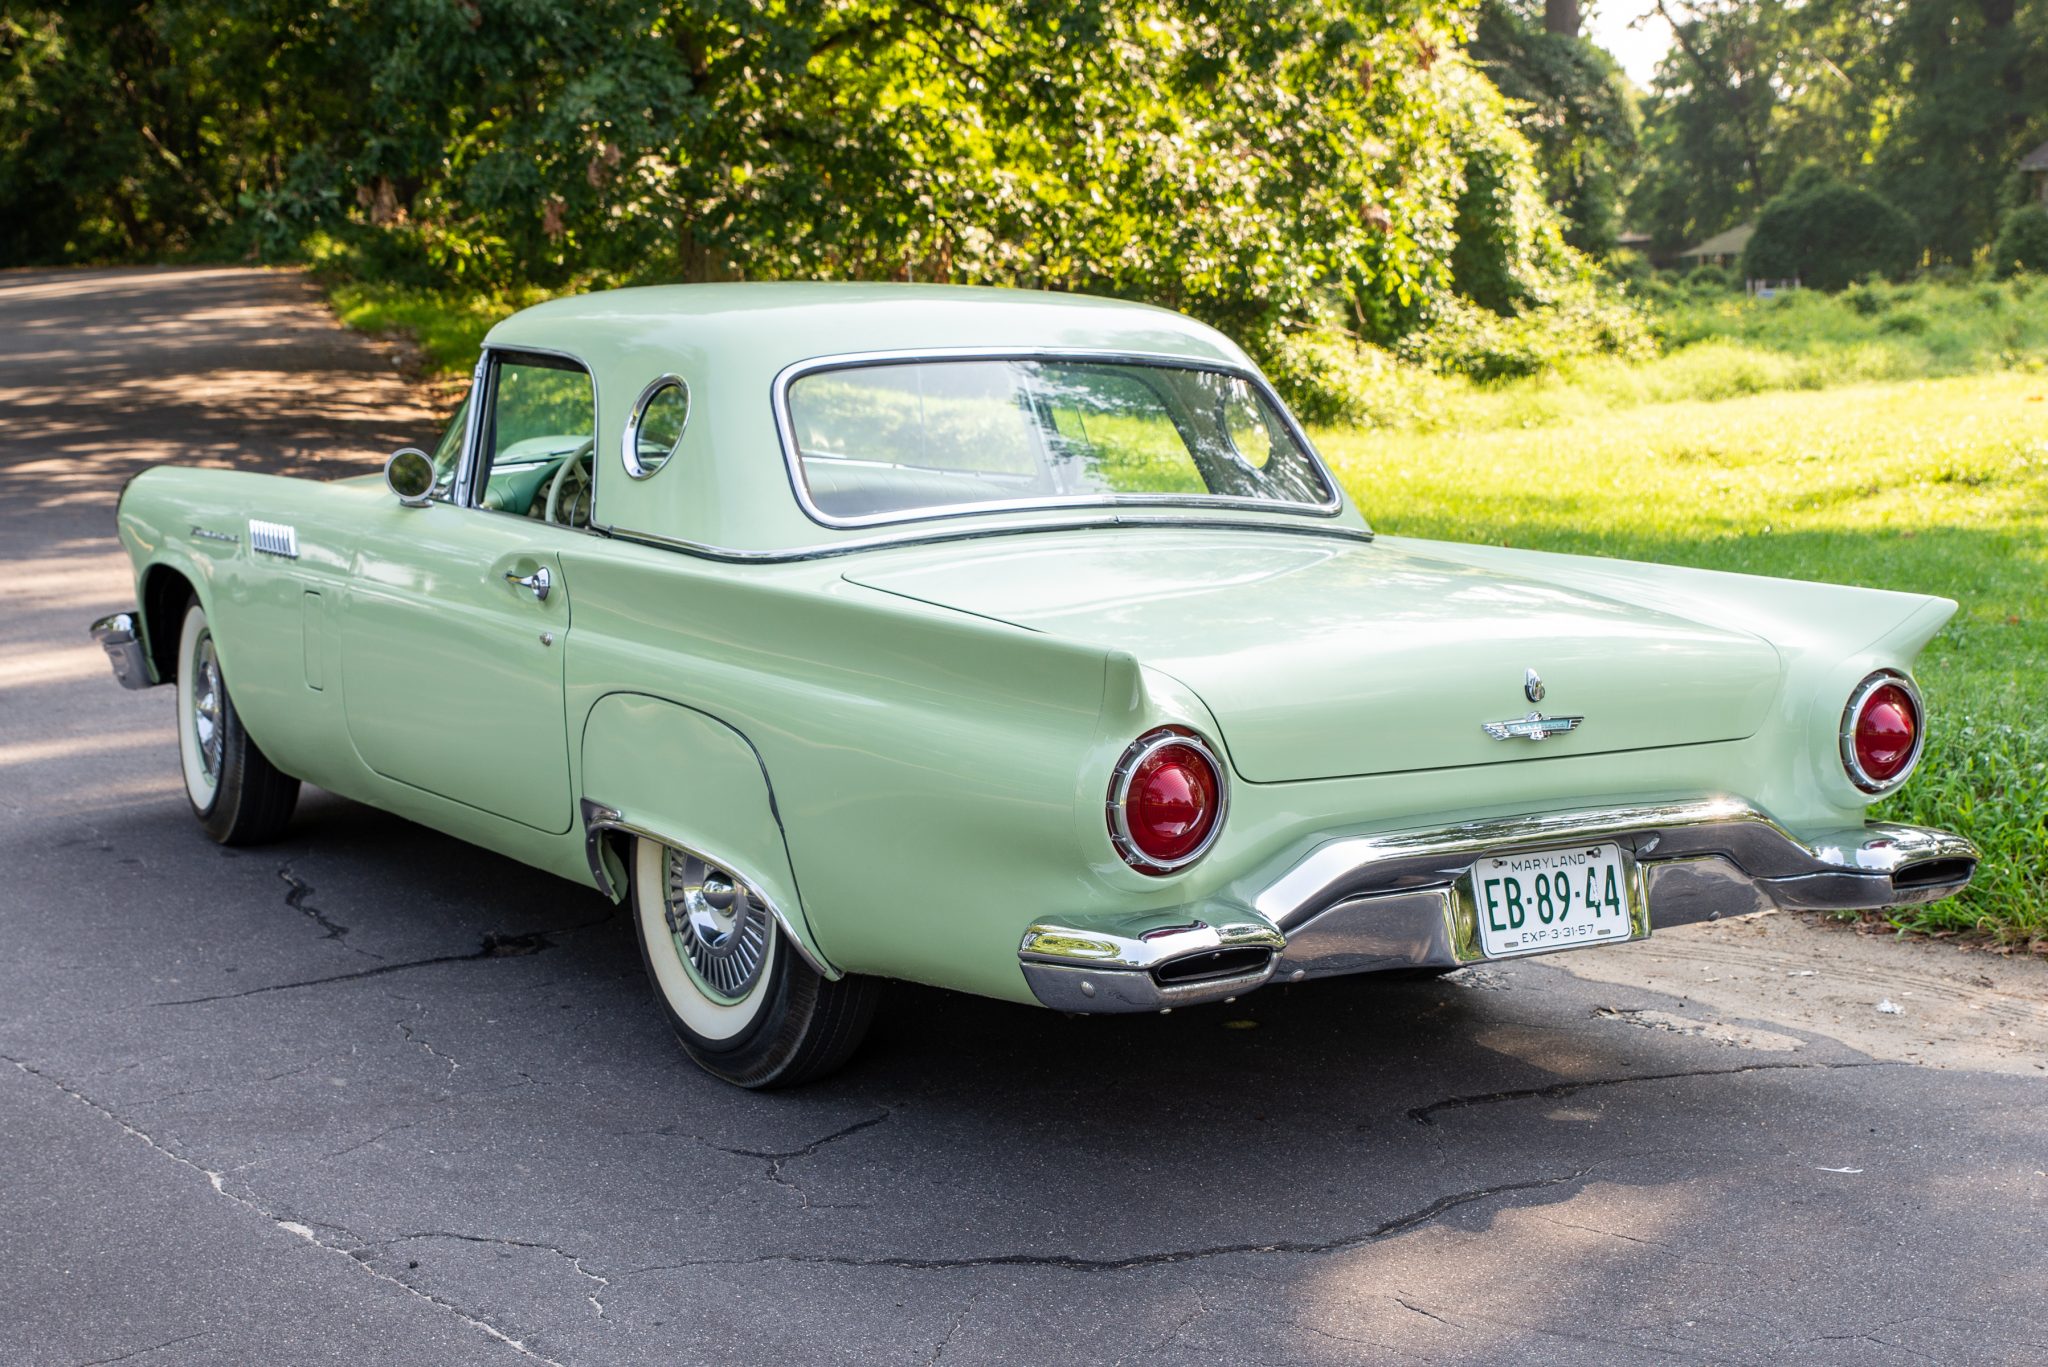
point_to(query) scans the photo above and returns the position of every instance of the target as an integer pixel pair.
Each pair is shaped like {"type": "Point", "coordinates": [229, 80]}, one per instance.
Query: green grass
{"type": "Point", "coordinates": [1717, 344]}
{"type": "Point", "coordinates": [448, 326]}
{"type": "Point", "coordinates": [1922, 328]}
{"type": "Point", "coordinates": [1933, 486]}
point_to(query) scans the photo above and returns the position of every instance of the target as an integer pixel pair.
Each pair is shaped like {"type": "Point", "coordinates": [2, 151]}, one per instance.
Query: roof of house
{"type": "Point", "coordinates": [2036, 160]}
{"type": "Point", "coordinates": [1729, 243]}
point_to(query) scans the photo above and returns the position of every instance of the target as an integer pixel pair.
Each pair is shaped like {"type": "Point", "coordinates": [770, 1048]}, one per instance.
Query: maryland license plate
{"type": "Point", "coordinates": [1552, 899]}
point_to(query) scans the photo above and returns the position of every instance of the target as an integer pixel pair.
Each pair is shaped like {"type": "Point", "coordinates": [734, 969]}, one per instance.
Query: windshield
{"type": "Point", "coordinates": [890, 440]}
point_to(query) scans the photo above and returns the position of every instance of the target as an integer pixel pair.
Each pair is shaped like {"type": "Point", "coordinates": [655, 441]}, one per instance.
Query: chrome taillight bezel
{"type": "Point", "coordinates": [1120, 790]}
{"type": "Point", "coordinates": [1851, 714]}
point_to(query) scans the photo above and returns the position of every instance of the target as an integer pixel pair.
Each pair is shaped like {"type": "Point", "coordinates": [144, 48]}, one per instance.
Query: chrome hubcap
{"type": "Point", "coordinates": [719, 924]}
{"type": "Point", "coordinates": [207, 707]}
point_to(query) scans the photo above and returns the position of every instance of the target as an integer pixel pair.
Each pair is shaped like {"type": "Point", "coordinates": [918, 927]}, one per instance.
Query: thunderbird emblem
{"type": "Point", "coordinates": [1535, 726]}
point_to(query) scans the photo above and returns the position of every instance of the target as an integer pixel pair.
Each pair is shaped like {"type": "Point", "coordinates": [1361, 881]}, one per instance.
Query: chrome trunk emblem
{"type": "Point", "coordinates": [1535, 726]}
{"type": "Point", "coordinates": [1532, 685]}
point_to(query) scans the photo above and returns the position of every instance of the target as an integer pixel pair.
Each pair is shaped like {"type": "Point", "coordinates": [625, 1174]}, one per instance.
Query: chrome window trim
{"type": "Point", "coordinates": [472, 436]}
{"type": "Point", "coordinates": [1847, 735]}
{"type": "Point", "coordinates": [629, 439]}
{"type": "Point", "coordinates": [705, 550]}
{"type": "Point", "coordinates": [1120, 791]}
{"type": "Point", "coordinates": [483, 386]}
{"type": "Point", "coordinates": [793, 458]}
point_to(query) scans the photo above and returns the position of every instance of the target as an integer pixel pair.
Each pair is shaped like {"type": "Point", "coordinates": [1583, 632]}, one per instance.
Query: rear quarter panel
{"type": "Point", "coordinates": [924, 765]}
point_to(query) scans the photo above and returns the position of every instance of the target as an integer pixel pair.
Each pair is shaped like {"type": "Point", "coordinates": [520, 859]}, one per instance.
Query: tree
{"type": "Point", "coordinates": [1573, 103]}
{"type": "Point", "coordinates": [1970, 75]}
{"type": "Point", "coordinates": [2022, 243]}
{"type": "Point", "coordinates": [1708, 135]}
{"type": "Point", "coordinates": [1929, 100]}
{"type": "Point", "coordinates": [1829, 235]}
{"type": "Point", "coordinates": [1275, 167]}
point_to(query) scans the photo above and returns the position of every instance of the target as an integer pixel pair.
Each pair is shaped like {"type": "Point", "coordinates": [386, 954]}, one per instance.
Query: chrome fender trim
{"type": "Point", "coordinates": [121, 638]}
{"type": "Point", "coordinates": [600, 821]}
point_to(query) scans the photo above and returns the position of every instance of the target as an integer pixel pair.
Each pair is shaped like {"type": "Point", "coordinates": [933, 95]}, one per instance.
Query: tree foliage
{"type": "Point", "coordinates": [2022, 243]}
{"type": "Point", "coordinates": [1274, 166]}
{"type": "Point", "coordinates": [1570, 99]}
{"type": "Point", "coordinates": [1828, 235]}
{"type": "Point", "coordinates": [1928, 102]}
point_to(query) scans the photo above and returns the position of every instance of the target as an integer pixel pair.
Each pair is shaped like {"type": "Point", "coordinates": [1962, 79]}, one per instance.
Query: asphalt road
{"type": "Point", "coordinates": [373, 1095]}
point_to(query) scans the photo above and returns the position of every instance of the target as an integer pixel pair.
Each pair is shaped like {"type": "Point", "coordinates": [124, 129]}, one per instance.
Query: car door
{"type": "Point", "coordinates": [457, 613]}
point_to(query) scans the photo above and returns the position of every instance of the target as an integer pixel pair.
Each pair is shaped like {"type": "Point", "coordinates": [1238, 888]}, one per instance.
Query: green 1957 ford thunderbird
{"type": "Point", "coordinates": [1014, 643]}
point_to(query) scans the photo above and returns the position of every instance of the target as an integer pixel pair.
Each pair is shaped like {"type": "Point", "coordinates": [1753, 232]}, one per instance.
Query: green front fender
{"type": "Point", "coordinates": [656, 768]}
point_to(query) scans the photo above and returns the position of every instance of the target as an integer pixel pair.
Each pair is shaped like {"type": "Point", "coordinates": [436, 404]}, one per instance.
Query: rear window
{"type": "Point", "coordinates": [887, 441]}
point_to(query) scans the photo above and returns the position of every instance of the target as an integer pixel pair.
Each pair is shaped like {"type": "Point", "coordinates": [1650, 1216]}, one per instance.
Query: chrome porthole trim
{"type": "Point", "coordinates": [629, 440]}
{"type": "Point", "coordinates": [722, 929]}
{"type": "Point", "coordinates": [1847, 733]}
{"type": "Point", "coordinates": [1143, 748]}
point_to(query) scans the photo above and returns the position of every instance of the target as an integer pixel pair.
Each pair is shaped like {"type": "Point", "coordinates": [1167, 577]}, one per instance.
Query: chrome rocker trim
{"type": "Point", "coordinates": [1369, 903]}
{"type": "Point", "coordinates": [121, 638]}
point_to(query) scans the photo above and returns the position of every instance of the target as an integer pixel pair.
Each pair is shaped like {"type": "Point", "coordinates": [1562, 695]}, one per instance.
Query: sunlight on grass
{"type": "Point", "coordinates": [1932, 486]}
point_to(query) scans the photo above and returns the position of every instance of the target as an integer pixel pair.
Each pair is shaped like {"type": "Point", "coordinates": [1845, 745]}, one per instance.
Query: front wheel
{"type": "Point", "coordinates": [745, 1005]}
{"type": "Point", "coordinates": [239, 796]}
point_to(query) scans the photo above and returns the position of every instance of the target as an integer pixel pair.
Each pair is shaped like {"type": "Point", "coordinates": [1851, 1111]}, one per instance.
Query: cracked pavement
{"type": "Point", "coordinates": [371, 1094]}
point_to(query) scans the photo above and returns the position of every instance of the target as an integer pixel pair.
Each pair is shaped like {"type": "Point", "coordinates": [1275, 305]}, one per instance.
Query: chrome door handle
{"type": "Point", "coordinates": [540, 581]}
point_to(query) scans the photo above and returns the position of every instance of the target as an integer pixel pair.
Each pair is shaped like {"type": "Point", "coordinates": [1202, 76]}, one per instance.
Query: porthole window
{"type": "Point", "coordinates": [1245, 421]}
{"type": "Point", "coordinates": [656, 427]}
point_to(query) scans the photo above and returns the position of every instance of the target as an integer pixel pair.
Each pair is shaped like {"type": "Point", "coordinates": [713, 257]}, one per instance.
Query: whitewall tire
{"type": "Point", "coordinates": [239, 796]}
{"type": "Point", "coordinates": [743, 1002]}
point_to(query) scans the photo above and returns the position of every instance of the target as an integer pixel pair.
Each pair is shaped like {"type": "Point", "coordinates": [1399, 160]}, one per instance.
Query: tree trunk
{"type": "Point", "coordinates": [1561, 16]}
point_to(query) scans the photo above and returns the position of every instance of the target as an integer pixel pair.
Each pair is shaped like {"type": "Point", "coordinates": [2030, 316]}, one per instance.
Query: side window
{"type": "Point", "coordinates": [448, 455]}
{"type": "Point", "coordinates": [538, 435]}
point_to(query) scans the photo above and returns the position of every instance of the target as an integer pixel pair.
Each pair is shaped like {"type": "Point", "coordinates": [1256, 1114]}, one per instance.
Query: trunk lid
{"type": "Point", "coordinates": [1327, 659]}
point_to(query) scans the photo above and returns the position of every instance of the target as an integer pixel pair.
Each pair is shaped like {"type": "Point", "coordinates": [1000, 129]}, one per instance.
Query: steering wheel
{"type": "Point", "coordinates": [569, 491]}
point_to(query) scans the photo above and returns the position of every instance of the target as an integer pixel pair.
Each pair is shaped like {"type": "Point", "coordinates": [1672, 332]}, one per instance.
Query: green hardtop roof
{"type": "Point", "coordinates": [781, 323]}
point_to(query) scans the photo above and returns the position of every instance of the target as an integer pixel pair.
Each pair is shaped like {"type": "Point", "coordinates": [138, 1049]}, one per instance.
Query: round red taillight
{"type": "Point", "coordinates": [1166, 801]}
{"type": "Point", "coordinates": [1881, 732]}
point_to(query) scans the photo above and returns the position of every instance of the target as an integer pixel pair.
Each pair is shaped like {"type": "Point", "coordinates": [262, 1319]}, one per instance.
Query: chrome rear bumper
{"type": "Point", "coordinates": [1362, 904]}
{"type": "Point", "coordinates": [119, 636]}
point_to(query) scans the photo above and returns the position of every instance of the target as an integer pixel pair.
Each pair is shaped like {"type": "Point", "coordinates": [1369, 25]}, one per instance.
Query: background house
{"type": "Point", "coordinates": [1722, 249]}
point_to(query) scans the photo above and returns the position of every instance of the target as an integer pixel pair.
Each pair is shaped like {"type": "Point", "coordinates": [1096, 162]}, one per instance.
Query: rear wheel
{"type": "Point", "coordinates": [239, 796]}
{"type": "Point", "coordinates": [745, 1005]}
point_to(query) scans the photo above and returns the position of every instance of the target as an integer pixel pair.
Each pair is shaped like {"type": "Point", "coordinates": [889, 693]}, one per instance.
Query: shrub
{"type": "Point", "coordinates": [1328, 376]}
{"type": "Point", "coordinates": [1866, 299]}
{"type": "Point", "coordinates": [2022, 243]}
{"type": "Point", "coordinates": [1829, 234]}
{"type": "Point", "coordinates": [1581, 321]}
